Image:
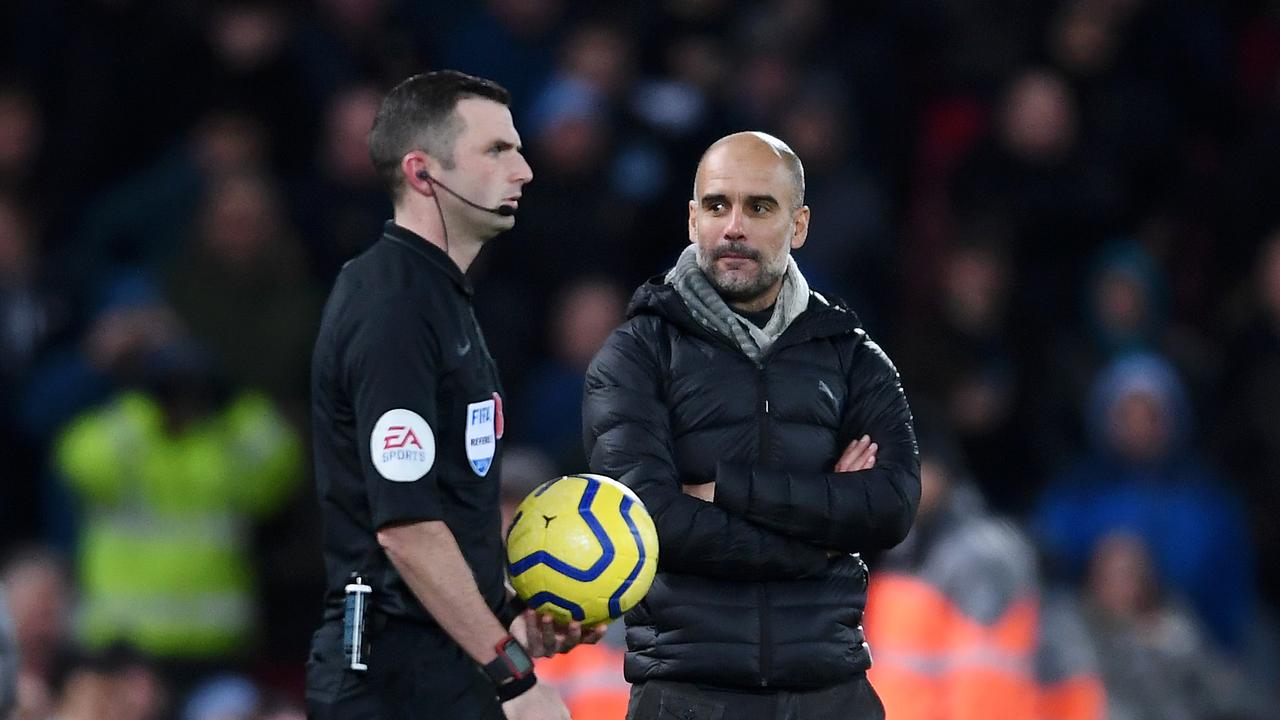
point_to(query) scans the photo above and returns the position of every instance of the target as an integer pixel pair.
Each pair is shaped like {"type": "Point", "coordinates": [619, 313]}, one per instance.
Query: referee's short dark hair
{"type": "Point", "coordinates": [420, 114]}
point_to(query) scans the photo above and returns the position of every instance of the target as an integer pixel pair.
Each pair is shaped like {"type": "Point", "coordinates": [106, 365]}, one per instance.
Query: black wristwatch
{"type": "Point", "coordinates": [512, 671]}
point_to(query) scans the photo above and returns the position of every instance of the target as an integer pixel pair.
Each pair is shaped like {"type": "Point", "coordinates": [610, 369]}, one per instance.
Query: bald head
{"type": "Point", "coordinates": [755, 145]}
{"type": "Point", "coordinates": [747, 215]}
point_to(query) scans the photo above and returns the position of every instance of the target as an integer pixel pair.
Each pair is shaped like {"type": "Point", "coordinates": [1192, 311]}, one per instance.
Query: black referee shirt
{"type": "Point", "coordinates": [406, 410]}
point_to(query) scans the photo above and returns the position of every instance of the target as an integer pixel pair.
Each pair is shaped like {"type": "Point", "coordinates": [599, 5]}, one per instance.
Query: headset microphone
{"type": "Point", "coordinates": [502, 210]}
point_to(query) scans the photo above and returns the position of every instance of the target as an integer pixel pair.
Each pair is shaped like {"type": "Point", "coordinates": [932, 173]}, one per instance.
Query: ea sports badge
{"type": "Point", "coordinates": [481, 436]}
{"type": "Point", "coordinates": [402, 446]}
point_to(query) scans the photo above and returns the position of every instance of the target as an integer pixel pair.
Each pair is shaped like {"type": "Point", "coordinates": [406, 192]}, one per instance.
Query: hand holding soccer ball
{"type": "Point", "coordinates": [583, 549]}
{"type": "Point", "coordinates": [544, 635]}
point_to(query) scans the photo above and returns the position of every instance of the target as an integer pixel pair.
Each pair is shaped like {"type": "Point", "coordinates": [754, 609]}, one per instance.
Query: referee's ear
{"type": "Point", "coordinates": [418, 168]}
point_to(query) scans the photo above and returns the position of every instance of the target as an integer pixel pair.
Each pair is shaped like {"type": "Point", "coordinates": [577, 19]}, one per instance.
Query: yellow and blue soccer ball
{"type": "Point", "coordinates": [582, 547]}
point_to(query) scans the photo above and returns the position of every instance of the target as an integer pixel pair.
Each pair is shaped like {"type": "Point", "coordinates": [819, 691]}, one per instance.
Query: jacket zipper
{"type": "Point", "coordinates": [766, 631]}
{"type": "Point", "coordinates": [762, 592]}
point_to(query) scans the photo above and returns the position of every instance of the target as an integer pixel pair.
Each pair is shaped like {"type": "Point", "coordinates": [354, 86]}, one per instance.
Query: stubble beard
{"type": "Point", "coordinates": [735, 287]}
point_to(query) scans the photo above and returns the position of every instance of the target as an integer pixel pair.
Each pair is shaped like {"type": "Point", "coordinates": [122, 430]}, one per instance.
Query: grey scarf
{"type": "Point", "coordinates": [710, 310]}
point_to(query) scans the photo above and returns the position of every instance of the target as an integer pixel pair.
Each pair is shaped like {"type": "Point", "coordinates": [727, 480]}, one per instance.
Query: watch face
{"type": "Point", "coordinates": [517, 658]}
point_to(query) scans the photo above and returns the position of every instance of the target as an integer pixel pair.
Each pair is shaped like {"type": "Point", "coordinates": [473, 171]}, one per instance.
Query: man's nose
{"type": "Point", "coordinates": [734, 229]}
{"type": "Point", "coordinates": [523, 172]}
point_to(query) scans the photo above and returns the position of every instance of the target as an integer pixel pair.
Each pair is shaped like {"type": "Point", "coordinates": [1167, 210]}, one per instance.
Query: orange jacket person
{"type": "Point", "coordinates": [957, 621]}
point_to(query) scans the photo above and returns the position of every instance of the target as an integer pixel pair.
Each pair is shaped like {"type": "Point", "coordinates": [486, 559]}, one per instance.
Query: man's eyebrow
{"type": "Point", "coordinates": [766, 199]}
{"type": "Point", "coordinates": [715, 198]}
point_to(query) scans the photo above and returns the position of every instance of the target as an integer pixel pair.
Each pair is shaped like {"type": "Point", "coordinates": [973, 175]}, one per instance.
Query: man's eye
{"type": "Point", "coordinates": [759, 208]}
{"type": "Point", "coordinates": [717, 207]}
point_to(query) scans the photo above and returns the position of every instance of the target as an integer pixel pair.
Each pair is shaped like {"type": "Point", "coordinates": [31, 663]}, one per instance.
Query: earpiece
{"type": "Point", "coordinates": [501, 210]}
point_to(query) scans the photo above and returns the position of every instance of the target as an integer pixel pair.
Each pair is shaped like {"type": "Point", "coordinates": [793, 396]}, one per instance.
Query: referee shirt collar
{"type": "Point", "coordinates": [428, 250]}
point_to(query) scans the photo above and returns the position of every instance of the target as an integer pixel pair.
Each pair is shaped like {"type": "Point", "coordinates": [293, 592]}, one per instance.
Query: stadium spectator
{"type": "Point", "coordinates": [169, 479]}
{"type": "Point", "coordinates": [963, 356]}
{"type": "Point", "coordinates": [1156, 662]}
{"type": "Point", "coordinates": [38, 590]}
{"type": "Point", "coordinates": [1146, 474]}
{"type": "Point", "coordinates": [240, 285]}
{"type": "Point", "coordinates": [111, 683]}
{"type": "Point", "coordinates": [145, 219]}
{"type": "Point", "coordinates": [339, 202]}
{"type": "Point", "coordinates": [550, 414]}
{"type": "Point", "coordinates": [82, 688]}
{"type": "Point", "coordinates": [851, 240]}
{"type": "Point", "coordinates": [1037, 169]}
{"type": "Point", "coordinates": [955, 614]}
{"type": "Point", "coordinates": [1125, 309]}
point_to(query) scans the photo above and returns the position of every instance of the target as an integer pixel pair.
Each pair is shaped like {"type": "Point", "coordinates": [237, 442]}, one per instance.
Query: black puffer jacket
{"type": "Point", "coordinates": [746, 594]}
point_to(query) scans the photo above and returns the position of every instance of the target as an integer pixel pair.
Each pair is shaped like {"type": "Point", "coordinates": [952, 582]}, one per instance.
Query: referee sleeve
{"type": "Point", "coordinates": [394, 377]}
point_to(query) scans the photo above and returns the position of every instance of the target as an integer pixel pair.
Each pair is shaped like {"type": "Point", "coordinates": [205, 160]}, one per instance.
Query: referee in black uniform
{"type": "Point", "coordinates": [408, 421]}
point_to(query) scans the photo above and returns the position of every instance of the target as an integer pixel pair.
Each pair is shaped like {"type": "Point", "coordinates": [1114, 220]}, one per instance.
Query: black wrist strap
{"type": "Point", "coordinates": [516, 688]}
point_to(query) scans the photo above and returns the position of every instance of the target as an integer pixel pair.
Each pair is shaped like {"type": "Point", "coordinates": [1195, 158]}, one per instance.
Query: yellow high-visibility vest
{"type": "Point", "coordinates": [164, 556]}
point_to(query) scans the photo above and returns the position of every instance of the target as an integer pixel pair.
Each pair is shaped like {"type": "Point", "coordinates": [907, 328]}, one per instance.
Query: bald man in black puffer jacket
{"type": "Point", "coordinates": [771, 440]}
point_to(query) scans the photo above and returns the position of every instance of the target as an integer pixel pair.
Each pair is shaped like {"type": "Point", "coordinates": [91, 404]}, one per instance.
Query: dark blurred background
{"type": "Point", "coordinates": [1059, 218]}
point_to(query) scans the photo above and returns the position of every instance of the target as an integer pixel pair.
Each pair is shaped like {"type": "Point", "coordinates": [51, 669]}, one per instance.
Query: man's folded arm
{"type": "Point", "coordinates": [627, 435]}
{"type": "Point", "coordinates": [846, 511]}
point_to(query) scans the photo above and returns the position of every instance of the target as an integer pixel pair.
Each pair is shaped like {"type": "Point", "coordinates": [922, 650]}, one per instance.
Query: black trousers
{"type": "Point", "coordinates": [666, 700]}
{"type": "Point", "coordinates": [414, 672]}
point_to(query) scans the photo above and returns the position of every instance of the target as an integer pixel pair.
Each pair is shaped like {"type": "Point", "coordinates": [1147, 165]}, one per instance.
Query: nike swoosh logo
{"type": "Point", "coordinates": [464, 347]}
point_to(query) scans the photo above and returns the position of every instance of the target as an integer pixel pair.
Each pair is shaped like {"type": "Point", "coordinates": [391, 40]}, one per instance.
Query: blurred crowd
{"type": "Point", "coordinates": [1058, 218]}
